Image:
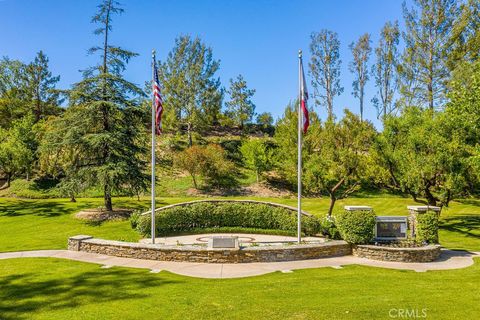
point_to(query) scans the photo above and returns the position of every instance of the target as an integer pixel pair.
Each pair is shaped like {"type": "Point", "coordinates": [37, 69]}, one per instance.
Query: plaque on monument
{"type": "Point", "coordinates": [227, 242]}
{"type": "Point", "coordinates": [391, 228]}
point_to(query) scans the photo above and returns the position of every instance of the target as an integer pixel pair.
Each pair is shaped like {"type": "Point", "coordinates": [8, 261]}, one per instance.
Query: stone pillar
{"type": "Point", "coordinates": [75, 242]}
{"type": "Point", "coordinates": [358, 208]}
{"type": "Point", "coordinates": [414, 212]}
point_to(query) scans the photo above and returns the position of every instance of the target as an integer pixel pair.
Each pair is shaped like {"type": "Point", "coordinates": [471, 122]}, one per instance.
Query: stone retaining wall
{"type": "Point", "coordinates": [205, 255]}
{"type": "Point", "coordinates": [418, 254]}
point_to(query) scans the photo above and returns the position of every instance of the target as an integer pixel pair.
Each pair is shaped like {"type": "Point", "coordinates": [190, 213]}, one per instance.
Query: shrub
{"type": "Point", "coordinates": [256, 156]}
{"type": "Point", "coordinates": [182, 219]}
{"type": "Point", "coordinates": [210, 163]}
{"type": "Point", "coordinates": [328, 228]}
{"type": "Point", "coordinates": [356, 227]}
{"type": "Point", "coordinates": [216, 169]}
{"type": "Point", "coordinates": [134, 219]}
{"type": "Point", "coordinates": [427, 227]}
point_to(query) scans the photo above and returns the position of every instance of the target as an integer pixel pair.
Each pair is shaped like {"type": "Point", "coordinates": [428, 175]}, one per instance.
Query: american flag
{"type": "Point", "coordinates": [157, 99]}
{"type": "Point", "coordinates": [303, 99]}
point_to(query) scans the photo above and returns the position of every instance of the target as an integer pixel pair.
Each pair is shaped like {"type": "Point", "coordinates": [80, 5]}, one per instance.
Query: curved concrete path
{"type": "Point", "coordinates": [448, 260]}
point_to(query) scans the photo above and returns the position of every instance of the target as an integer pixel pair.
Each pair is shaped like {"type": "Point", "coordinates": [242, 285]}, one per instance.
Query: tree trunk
{"type": "Point", "coordinates": [38, 110]}
{"type": "Point", "coordinates": [333, 198]}
{"type": "Point", "coordinates": [7, 183]}
{"type": "Point", "coordinates": [257, 176]}
{"type": "Point", "coordinates": [189, 132]}
{"type": "Point", "coordinates": [107, 198]}
{"type": "Point", "coordinates": [194, 181]}
{"type": "Point", "coordinates": [432, 201]}
{"type": "Point", "coordinates": [72, 198]}
{"type": "Point", "coordinates": [361, 104]}
{"type": "Point", "coordinates": [332, 204]}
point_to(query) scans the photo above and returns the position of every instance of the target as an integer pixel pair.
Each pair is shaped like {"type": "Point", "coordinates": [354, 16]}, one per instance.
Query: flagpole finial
{"type": "Point", "coordinates": [299, 53]}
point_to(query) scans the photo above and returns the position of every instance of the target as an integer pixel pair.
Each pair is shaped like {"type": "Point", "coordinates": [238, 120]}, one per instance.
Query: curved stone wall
{"type": "Point", "coordinates": [427, 253]}
{"type": "Point", "coordinates": [206, 255]}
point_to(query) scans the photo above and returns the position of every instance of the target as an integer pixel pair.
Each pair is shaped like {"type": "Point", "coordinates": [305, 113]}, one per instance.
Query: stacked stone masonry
{"type": "Point", "coordinates": [420, 254]}
{"type": "Point", "coordinates": [205, 255]}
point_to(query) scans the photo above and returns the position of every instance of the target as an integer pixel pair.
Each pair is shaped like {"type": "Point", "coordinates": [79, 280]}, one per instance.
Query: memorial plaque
{"type": "Point", "coordinates": [391, 228]}
{"type": "Point", "coordinates": [223, 242]}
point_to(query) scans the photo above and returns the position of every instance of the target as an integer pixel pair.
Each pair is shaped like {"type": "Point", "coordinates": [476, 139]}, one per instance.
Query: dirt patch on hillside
{"type": "Point", "coordinates": [254, 190]}
{"type": "Point", "coordinates": [100, 215]}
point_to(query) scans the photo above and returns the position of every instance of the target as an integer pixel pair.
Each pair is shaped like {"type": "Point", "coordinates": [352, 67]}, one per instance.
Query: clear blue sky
{"type": "Point", "coordinates": [258, 39]}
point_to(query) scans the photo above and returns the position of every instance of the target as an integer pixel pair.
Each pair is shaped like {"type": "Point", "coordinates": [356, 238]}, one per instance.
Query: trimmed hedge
{"type": "Point", "coordinates": [427, 227]}
{"type": "Point", "coordinates": [183, 219]}
{"type": "Point", "coordinates": [356, 227]}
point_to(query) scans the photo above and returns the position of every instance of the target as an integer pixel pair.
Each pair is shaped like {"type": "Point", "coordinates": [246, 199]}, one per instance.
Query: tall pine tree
{"type": "Point", "coordinates": [240, 107]}
{"type": "Point", "coordinates": [104, 127]}
{"type": "Point", "coordinates": [192, 93]}
{"type": "Point", "coordinates": [40, 89]}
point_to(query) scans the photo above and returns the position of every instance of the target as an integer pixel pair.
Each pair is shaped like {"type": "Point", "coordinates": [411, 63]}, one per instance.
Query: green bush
{"type": "Point", "coordinates": [183, 219]}
{"type": "Point", "coordinates": [134, 219]}
{"type": "Point", "coordinates": [328, 228]}
{"type": "Point", "coordinates": [356, 227]}
{"type": "Point", "coordinates": [427, 227]}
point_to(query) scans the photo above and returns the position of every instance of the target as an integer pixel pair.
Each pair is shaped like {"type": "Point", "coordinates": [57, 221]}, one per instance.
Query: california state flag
{"type": "Point", "coordinates": [303, 98]}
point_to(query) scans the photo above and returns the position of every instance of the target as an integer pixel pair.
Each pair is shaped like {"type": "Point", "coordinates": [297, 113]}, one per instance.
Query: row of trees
{"type": "Point", "coordinates": [100, 138]}
{"type": "Point", "coordinates": [431, 156]}
{"type": "Point", "coordinates": [427, 96]}
{"type": "Point", "coordinates": [439, 36]}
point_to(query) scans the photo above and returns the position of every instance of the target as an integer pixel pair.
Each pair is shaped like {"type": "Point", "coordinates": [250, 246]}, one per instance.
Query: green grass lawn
{"type": "Point", "coordinates": [47, 223]}
{"type": "Point", "coordinates": [42, 288]}
{"type": "Point", "coordinates": [46, 288]}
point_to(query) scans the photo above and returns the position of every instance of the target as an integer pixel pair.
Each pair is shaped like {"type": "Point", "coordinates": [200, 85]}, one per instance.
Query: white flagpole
{"type": "Point", "coordinates": [299, 143]}
{"type": "Point", "coordinates": [153, 154]}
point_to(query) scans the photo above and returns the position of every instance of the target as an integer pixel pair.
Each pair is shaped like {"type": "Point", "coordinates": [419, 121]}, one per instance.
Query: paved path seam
{"type": "Point", "coordinates": [448, 260]}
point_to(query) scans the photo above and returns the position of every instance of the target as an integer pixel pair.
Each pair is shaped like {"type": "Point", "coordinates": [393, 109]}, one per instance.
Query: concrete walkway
{"type": "Point", "coordinates": [448, 260]}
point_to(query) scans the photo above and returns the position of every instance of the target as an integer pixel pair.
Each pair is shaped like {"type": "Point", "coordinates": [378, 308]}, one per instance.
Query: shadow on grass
{"type": "Point", "coordinates": [35, 207]}
{"type": "Point", "coordinates": [463, 224]}
{"type": "Point", "coordinates": [48, 208]}
{"type": "Point", "coordinates": [472, 202]}
{"type": "Point", "coordinates": [25, 294]}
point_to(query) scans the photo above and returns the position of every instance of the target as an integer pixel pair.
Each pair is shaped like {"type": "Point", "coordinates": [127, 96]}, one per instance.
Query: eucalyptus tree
{"type": "Point", "coordinates": [465, 36]}
{"type": "Point", "coordinates": [192, 93]}
{"type": "Point", "coordinates": [384, 69]}
{"type": "Point", "coordinates": [361, 51]}
{"type": "Point", "coordinates": [103, 124]}
{"type": "Point", "coordinates": [325, 68]}
{"type": "Point", "coordinates": [423, 71]}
